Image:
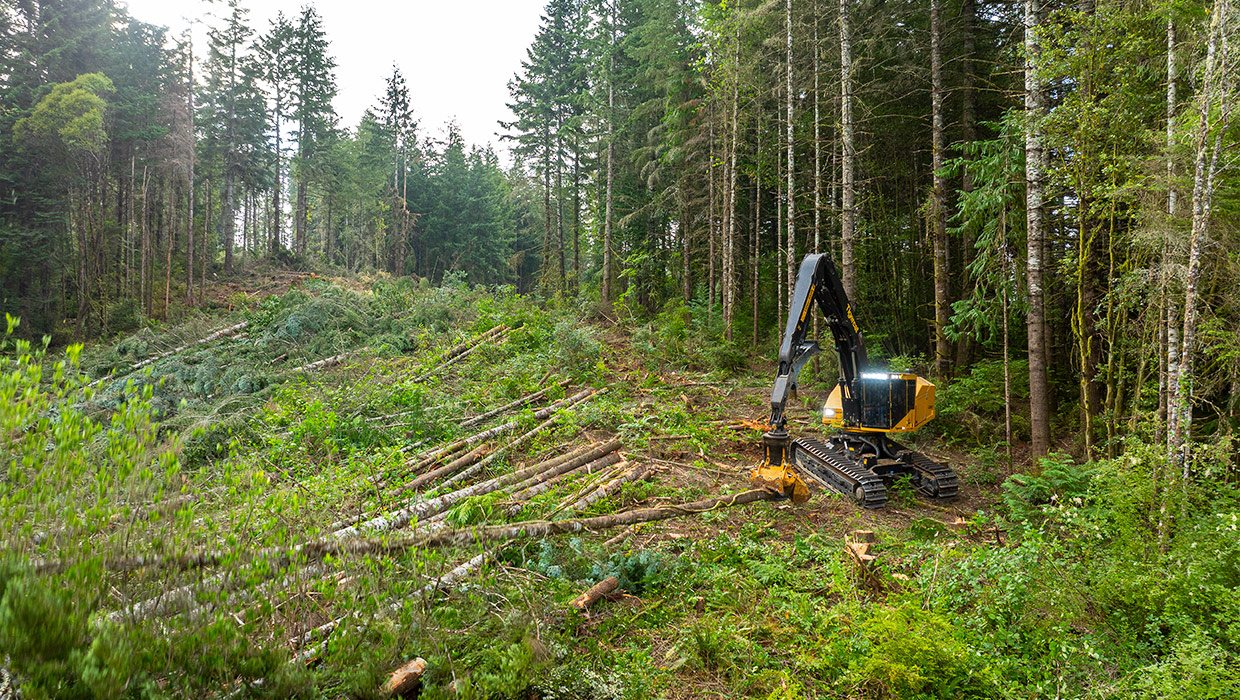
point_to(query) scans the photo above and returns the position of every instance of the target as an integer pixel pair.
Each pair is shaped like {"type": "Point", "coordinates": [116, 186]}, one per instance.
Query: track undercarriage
{"type": "Point", "coordinates": [862, 465]}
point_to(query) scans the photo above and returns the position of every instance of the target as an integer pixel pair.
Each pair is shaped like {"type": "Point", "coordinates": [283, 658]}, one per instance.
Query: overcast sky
{"type": "Point", "coordinates": [457, 55]}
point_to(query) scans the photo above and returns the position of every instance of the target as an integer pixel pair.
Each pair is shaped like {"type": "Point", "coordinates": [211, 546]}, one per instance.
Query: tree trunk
{"type": "Point", "coordinates": [576, 218]}
{"type": "Point", "coordinates": [791, 143]}
{"type": "Point", "coordinates": [848, 158]}
{"type": "Point", "coordinates": [710, 219]}
{"type": "Point", "coordinates": [611, 155]}
{"type": "Point", "coordinates": [1164, 369]}
{"type": "Point", "coordinates": [559, 204]}
{"type": "Point", "coordinates": [753, 248]}
{"type": "Point", "coordinates": [189, 186]}
{"type": "Point", "coordinates": [229, 216]}
{"type": "Point", "coordinates": [170, 228]}
{"type": "Point", "coordinates": [1215, 92]}
{"type": "Point", "coordinates": [279, 177]}
{"type": "Point", "coordinates": [206, 237]}
{"type": "Point", "coordinates": [729, 253]}
{"type": "Point", "coordinates": [938, 206]}
{"type": "Point", "coordinates": [546, 256]}
{"type": "Point", "coordinates": [1039, 399]}
{"type": "Point", "coordinates": [145, 262]}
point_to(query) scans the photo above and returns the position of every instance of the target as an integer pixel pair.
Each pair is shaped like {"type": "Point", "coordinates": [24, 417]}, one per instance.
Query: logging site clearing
{"type": "Point", "coordinates": [389, 488]}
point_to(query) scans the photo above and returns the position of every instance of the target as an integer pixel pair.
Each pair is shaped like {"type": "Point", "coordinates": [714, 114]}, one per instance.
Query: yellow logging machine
{"type": "Point", "coordinates": [859, 460]}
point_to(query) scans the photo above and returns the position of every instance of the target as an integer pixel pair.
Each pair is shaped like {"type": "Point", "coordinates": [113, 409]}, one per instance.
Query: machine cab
{"type": "Point", "coordinates": [884, 402]}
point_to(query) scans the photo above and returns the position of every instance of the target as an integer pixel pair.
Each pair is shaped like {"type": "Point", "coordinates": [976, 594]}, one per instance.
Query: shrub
{"type": "Point", "coordinates": [969, 408]}
{"type": "Point", "coordinates": [910, 653]}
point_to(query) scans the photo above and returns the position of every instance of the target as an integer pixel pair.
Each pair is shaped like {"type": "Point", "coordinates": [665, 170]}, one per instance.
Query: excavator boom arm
{"type": "Point", "coordinates": [817, 282]}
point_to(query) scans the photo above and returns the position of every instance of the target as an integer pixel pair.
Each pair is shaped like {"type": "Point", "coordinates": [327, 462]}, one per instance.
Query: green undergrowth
{"type": "Point", "coordinates": [1073, 581]}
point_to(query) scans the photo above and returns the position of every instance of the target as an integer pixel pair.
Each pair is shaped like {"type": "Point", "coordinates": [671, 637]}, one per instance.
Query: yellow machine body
{"type": "Point", "coordinates": [891, 403]}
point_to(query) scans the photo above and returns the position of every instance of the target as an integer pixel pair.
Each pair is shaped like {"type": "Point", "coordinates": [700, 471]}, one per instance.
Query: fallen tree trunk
{"type": "Point", "coordinates": [325, 362]}
{"type": "Point", "coordinates": [508, 407]}
{"type": "Point", "coordinates": [449, 468]}
{"type": "Point", "coordinates": [522, 439]}
{"type": "Point", "coordinates": [627, 533]}
{"type": "Point", "coordinates": [463, 347]}
{"type": "Point", "coordinates": [596, 593]}
{"type": "Point", "coordinates": [500, 429]}
{"type": "Point", "coordinates": [450, 360]}
{"type": "Point", "coordinates": [550, 481]}
{"type": "Point", "coordinates": [637, 473]}
{"type": "Point", "coordinates": [405, 679]}
{"type": "Point", "coordinates": [183, 596]}
{"type": "Point", "coordinates": [314, 551]}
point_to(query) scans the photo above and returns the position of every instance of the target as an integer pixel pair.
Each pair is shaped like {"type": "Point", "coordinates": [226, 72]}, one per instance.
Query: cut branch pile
{"type": "Point", "coordinates": [221, 333]}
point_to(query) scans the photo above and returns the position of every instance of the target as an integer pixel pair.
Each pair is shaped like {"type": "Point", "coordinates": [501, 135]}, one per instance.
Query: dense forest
{"type": "Point", "coordinates": [1036, 205]}
{"type": "Point", "coordinates": [994, 178]}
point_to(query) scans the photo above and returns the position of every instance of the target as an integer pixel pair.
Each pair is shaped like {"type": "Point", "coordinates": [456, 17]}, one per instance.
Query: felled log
{"type": "Point", "coordinates": [456, 355]}
{"type": "Point", "coordinates": [548, 480]}
{"type": "Point", "coordinates": [635, 473]}
{"type": "Point", "coordinates": [550, 414]}
{"type": "Point", "coordinates": [314, 551]}
{"type": "Point", "coordinates": [624, 535]}
{"type": "Point", "coordinates": [463, 347]}
{"type": "Point", "coordinates": [325, 362]}
{"type": "Point", "coordinates": [596, 593]}
{"type": "Point", "coordinates": [405, 679]}
{"type": "Point", "coordinates": [449, 468]}
{"type": "Point", "coordinates": [510, 406]}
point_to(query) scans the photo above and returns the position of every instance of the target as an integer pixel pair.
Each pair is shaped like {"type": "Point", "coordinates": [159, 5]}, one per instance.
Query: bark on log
{"type": "Point", "coordinates": [424, 461]}
{"type": "Point", "coordinates": [494, 456]}
{"type": "Point", "coordinates": [453, 352]}
{"type": "Point", "coordinates": [545, 482]}
{"type": "Point", "coordinates": [452, 359]}
{"type": "Point", "coordinates": [325, 362]}
{"type": "Point", "coordinates": [183, 596]}
{"type": "Point", "coordinates": [627, 533]}
{"type": "Point", "coordinates": [551, 411]}
{"type": "Point", "coordinates": [596, 593]}
{"type": "Point", "coordinates": [315, 551]}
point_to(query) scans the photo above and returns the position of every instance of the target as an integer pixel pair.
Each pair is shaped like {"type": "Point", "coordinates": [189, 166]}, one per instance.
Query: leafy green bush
{"type": "Point", "coordinates": [910, 653]}
{"type": "Point", "coordinates": [1030, 497]}
{"type": "Point", "coordinates": [969, 409]}
{"type": "Point", "coordinates": [1197, 668]}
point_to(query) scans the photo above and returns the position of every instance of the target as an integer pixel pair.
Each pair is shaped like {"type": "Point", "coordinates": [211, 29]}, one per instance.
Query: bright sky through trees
{"type": "Point", "coordinates": [456, 56]}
